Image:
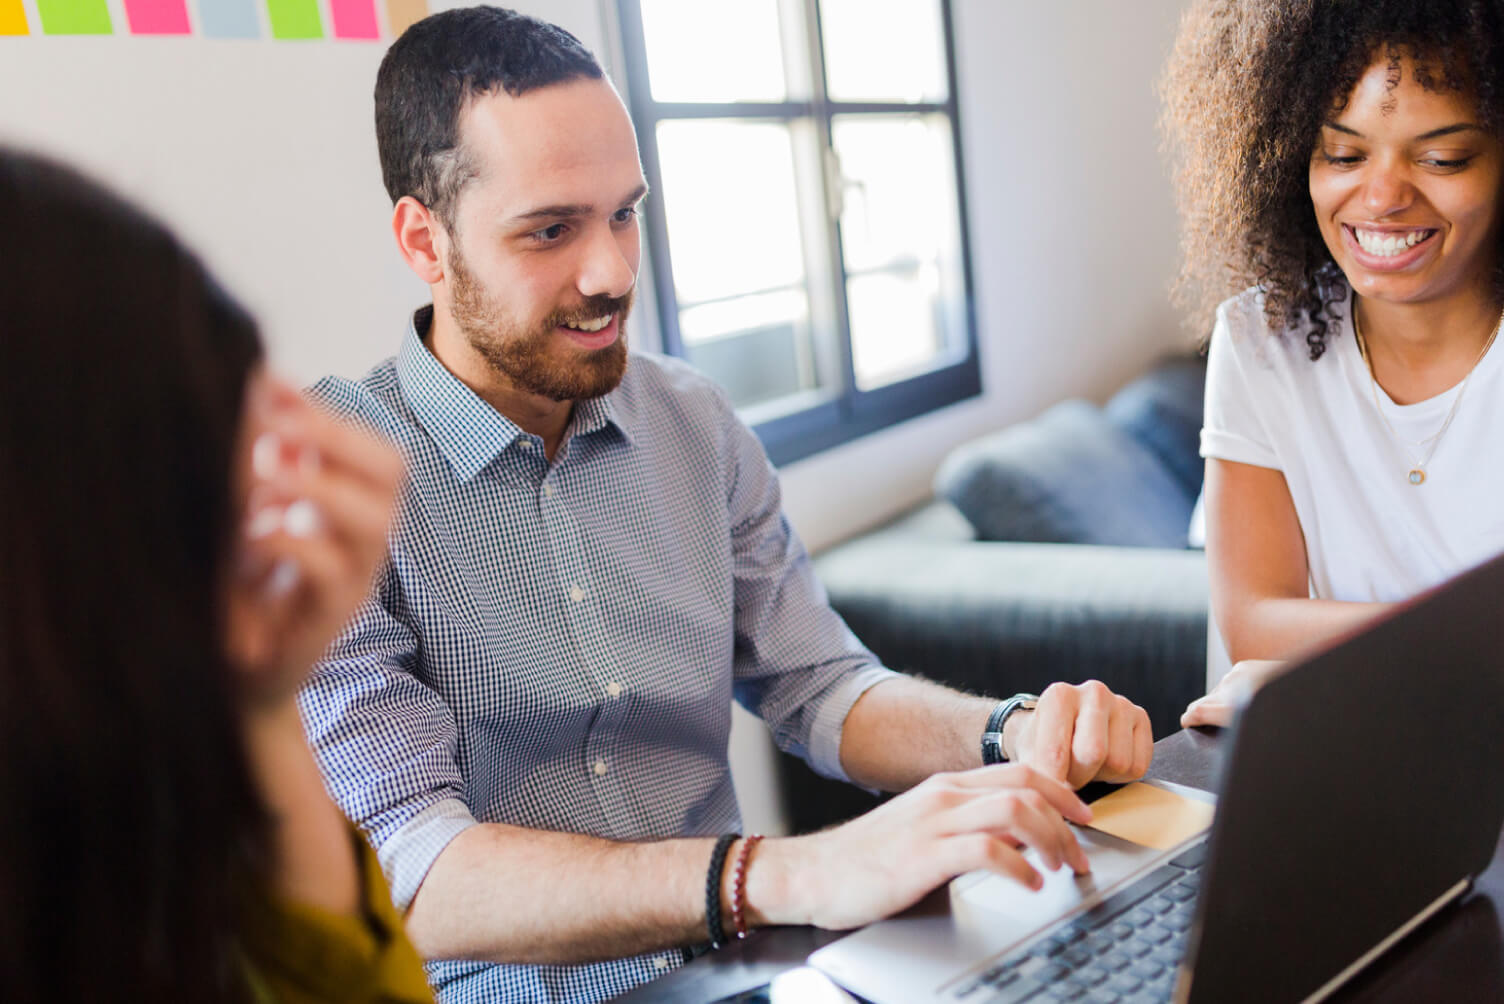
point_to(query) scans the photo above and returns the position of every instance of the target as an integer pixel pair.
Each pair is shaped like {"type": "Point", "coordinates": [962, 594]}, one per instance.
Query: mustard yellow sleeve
{"type": "Point", "coordinates": [299, 954]}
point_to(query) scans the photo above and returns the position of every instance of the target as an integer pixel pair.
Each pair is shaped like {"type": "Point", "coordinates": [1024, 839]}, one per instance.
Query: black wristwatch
{"type": "Point", "coordinates": [992, 735]}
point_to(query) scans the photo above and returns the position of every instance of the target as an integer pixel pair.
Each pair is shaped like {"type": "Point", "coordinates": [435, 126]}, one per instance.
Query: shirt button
{"type": "Point", "coordinates": [613, 688]}
{"type": "Point", "coordinates": [576, 593]}
{"type": "Point", "coordinates": [600, 768]}
{"type": "Point", "coordinates": [526, 444]}
{"type": "Point", "coordinates": [548, 491]}
{"type": "Point", "coordinates": [660, 963]}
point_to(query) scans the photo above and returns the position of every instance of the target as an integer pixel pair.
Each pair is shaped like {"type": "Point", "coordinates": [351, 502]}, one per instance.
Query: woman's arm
{"type": "Point", "coordinates": [318, 501]}
{"type": "Point", "coordinates": [314, 855]}
{"type": "Point", "coordinates": [1259, 577]}
{"type": "Point", "coordinates": [1256, 555]}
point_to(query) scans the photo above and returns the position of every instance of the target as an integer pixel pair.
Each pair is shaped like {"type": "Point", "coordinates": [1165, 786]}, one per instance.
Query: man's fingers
{"type": "Point", "coordinates": [1120, 748]}
{"type": "Point", "coordinates": [1091, 740]}
{"type": "Point", "coordinates": [1130, 743]}
{"type": "Point", "coordinates": [1058, 794]}
{"type": "Point", "coordinates": [1020, 814]}
{"type": "Point", "coordinates": [1143, 745]}
{"type": "Point", "coordinates": [1051, 728]}
{"type": "Point", "coordinates": [972, 851]}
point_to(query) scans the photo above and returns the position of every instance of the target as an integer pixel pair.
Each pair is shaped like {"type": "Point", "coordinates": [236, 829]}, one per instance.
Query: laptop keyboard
{"type": "Point", "coordinates": [1124, 950]}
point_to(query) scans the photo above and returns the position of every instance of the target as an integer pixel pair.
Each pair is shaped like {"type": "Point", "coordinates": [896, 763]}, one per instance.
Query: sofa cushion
{"type": "Point", "coordinates": [1162, 410]}
{"type": "Point", "coordinates": [1068, 476]}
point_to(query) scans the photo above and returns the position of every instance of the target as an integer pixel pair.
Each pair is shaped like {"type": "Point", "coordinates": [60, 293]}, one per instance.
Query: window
{"type": "Point", "coordinates": [806, 229]}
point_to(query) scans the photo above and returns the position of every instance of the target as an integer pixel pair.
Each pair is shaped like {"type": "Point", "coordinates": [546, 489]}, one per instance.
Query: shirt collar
{"type": "Point", "coordinates": [468, 431]}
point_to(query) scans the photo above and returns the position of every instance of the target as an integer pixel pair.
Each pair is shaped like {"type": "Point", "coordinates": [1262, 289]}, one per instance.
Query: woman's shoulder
{"type": "Point", "coordinates": [1243, 316]}
{"type": "Point", "coordinates": [294, 953]}
{"type": "Point", "coordinates": [1243, 327]}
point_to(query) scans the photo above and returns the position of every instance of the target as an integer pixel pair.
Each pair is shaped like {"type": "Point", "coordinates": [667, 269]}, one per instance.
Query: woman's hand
{"type": "Point", "coordinates": [317, 501]}
{"type": "Point", "coordinates": [1231, 693]}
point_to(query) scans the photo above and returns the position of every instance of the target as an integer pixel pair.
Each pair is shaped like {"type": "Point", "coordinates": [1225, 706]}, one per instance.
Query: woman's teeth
{"type": "Point", "coordinates": [595, 325]}
{"type": "Point", "coordinates": [1387, 245]}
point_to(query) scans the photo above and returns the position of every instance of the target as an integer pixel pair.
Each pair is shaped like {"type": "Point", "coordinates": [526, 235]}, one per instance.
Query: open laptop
{"type": "Point", "coordinates": [1361, 794]}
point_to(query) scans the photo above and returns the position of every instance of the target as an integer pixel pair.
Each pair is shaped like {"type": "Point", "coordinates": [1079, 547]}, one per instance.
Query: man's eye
{"type": "Point", "coordinates": [550, 233]}
{"type": "Point", "coordinates": [1450, 164]}
{"type": "Point", "coordinates": [1340, 160]}
{"type": "Point", "coordinates": [624, 215]}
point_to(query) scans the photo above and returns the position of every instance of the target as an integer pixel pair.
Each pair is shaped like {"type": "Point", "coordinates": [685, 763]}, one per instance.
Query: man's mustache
{"type": "Point", "coordinates": [591, 308]}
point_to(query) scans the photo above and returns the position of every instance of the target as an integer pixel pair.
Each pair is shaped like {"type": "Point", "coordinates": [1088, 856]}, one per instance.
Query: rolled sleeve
{"type": "Point", "coordinates": [830, 720]}
{"type": "Point", "coordinates": [797, 666]}
{"type": "Point", "coordinates": [386, 744]}
{"type": "Point", "coordinates": [408, 854]}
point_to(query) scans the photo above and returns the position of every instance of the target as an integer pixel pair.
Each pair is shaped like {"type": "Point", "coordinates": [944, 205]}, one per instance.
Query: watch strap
{"type": "Point", "coordinates": [992, 734]}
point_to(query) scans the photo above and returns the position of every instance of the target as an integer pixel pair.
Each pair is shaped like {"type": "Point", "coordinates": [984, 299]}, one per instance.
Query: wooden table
{"type": "Point", "coordinates": [1456, 956]}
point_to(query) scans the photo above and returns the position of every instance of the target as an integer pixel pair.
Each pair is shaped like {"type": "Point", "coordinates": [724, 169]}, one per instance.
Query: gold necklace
{"type": "Point", "coordinates": [1417, 473]}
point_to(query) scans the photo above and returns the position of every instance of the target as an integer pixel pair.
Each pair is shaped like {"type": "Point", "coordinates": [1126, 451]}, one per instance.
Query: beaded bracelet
{"type": "Point", "coordinates": [713, 888]}
{"type": "Point", "coordinates": [739, 885]}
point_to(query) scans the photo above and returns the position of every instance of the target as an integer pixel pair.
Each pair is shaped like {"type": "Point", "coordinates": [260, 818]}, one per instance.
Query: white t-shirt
{"type": "Point", "coordinates": [1370, 534]}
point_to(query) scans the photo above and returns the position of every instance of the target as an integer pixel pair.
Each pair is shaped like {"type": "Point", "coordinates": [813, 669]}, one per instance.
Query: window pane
{"type": "Point", "coordinates": [883, 50]}
{"type": "Point", "coordinates": [731, 200]}
{"type": "Point", "coordinates": [900, 235]}
{"type": "Point", "coordinates": [700, 51]}
{"type": "Point", "coordinates": [895, 314]}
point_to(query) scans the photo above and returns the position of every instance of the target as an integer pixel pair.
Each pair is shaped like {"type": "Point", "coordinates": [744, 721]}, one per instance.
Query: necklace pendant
{"type": "Point", "coordinates": [1416, 476]}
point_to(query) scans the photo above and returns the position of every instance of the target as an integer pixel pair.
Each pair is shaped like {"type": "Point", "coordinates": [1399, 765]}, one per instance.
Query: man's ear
{"type": "Point", "coordinates": [419, 235]}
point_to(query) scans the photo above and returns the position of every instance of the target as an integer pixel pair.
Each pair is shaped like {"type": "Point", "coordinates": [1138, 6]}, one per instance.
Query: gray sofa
{"type": "Point", "coordinates": [1054, 550]}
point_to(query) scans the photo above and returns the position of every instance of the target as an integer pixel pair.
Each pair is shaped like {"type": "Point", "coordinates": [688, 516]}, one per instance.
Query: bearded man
{"type": "Point", "coordinates": [529, 718]}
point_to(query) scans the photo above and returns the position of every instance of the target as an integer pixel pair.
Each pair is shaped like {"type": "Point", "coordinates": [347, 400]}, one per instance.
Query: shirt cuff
{"type": "Point", "coordinates": [825, 734]}
{"type": "Point", "coordinates": [407, 854]}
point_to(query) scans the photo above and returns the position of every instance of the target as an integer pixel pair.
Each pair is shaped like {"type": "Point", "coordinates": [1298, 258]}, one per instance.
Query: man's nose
{"type": "Point", "coordinates": [606, 267]}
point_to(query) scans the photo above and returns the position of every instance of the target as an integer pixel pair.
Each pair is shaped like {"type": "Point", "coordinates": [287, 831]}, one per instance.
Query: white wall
{"type": "Point", "coordinates": [263, 154]}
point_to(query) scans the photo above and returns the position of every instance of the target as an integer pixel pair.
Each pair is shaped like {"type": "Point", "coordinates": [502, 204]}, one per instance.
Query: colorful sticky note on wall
{"type": "Point", "coordinates": [229, 19]}
{"type": "Point", "coordinates": [401, 14]}
{"type": "Point", "coordinates": [295, 18]}
{"type": "Point", "coordinates": [74, 17]}
{"type": "Point", "coordinates": [157, 17]}
{"type": "Point", "coordinates": [353, 18]}
{"type": "Point", "coordinates": [13, 18]}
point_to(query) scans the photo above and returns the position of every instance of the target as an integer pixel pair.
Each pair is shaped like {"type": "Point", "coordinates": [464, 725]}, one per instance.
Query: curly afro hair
{"type": "Point", "coordinates": [1247, 88]}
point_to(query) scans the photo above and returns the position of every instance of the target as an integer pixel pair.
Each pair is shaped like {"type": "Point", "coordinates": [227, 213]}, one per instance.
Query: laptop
{"type": "Point", "coordinates": [1360, 795]}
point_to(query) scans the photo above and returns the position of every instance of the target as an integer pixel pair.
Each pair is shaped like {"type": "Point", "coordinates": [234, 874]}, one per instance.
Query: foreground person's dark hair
{"type": "Point", "coordinates": [131, 820]}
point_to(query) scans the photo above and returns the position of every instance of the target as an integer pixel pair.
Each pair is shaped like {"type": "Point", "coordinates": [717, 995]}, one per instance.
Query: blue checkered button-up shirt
{"type": "Point", "coordinates": [557, 645]}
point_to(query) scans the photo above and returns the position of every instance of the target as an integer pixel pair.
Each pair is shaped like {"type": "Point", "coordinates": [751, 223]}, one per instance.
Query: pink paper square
{"type": "Point", "coordinates": [354, 18]}
{"type": "Point", "coordinates": [157, 17]}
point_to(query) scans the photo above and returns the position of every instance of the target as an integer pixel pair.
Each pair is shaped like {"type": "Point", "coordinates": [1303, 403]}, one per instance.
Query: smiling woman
{"type": "Point", "coordinates": [1342, 163]}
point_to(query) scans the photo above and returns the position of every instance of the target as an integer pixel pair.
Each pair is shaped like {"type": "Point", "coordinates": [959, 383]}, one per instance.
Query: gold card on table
{"type": "Point", "coordinates": [1150, 815]}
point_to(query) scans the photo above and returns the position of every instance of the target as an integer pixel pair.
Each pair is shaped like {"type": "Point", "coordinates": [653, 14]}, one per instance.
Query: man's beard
{"type": "Point", "coordinates": [524, 356]}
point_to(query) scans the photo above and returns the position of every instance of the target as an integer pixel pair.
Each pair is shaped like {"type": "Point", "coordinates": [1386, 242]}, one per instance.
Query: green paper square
{"type": "Point", "coordinates": [295, 18]}
{"type": "Point", "coordinates": [74, 17]}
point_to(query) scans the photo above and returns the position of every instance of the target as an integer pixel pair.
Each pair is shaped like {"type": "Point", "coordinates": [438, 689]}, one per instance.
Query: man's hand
{"type": "Point", "coordinates": [1231, 693]}
{"type": "Point", "coordinates": [888, 859]}
{"type": "Point", "coordinates": [1082, 733]}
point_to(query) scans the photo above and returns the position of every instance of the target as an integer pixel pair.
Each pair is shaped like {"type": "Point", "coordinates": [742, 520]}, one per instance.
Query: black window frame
{"type": "Point", "coordinates": [850, 412]}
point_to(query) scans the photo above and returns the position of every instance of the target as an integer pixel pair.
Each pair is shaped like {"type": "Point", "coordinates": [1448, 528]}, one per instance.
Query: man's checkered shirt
{"type": "Point", "coordinates": [557, 645]}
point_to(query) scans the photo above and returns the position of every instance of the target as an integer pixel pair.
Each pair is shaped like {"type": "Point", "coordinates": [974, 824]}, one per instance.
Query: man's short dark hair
{"type": "Point", "coordinates": [436, 67]}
